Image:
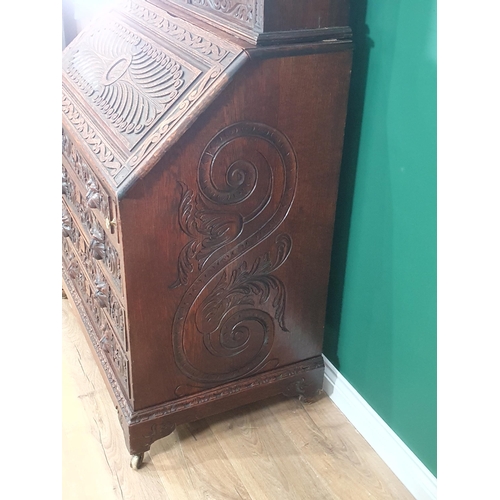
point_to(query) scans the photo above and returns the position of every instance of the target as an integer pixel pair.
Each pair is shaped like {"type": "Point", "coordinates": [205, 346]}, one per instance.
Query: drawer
{"type": "Point", "coordinates": [96, 245]}
{"type": "Point", "coordinates": [105, 313]}
{"type": "Point", "coordinates": [80, 181]}
{"type": "Point", "coordinates": [77, 247]}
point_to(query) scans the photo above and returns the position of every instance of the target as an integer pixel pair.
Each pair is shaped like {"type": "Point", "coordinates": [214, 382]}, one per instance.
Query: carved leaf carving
{"type": "Point", "coordinates": [67, 226]}
{"type": "Point", "coordinates": [93, 196]}
{"type": "Point", "coordinates": [210, 230]}
{"type": "Point", "coordinates": [97, 246]}
{"type": "Point", "coordinates": [245, 286]}
{"type": "Point", "coordinates": [102, 292]}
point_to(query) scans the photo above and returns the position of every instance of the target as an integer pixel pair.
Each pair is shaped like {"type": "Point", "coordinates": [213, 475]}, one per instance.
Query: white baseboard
{"type": "Point", "coordinates": [404, 463]}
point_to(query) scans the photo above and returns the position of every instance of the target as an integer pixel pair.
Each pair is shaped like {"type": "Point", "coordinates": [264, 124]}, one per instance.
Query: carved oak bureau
{"type": "Point", "coordinates": [201, 149]}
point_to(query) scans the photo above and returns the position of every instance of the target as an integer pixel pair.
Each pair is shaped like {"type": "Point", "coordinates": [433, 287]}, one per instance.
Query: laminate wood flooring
{"type": "Point", "coordinates": [278, 449]}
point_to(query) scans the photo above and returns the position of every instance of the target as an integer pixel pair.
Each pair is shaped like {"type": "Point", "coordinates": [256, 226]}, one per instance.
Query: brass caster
{"type": "Point", "coordinates": [136, 461]}
{"type": "Point", "coordinates": [305, 400]}
{"type": "Point", "coordinates": [64, 296]}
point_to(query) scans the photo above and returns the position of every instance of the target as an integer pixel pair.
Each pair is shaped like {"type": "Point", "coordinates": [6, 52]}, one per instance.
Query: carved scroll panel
{"type": "Point", "coordinates": [233, 303]}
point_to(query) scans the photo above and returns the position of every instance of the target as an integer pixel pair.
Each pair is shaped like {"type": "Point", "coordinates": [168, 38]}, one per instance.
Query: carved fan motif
{"type": "Point", "coordinates": [125, 77]}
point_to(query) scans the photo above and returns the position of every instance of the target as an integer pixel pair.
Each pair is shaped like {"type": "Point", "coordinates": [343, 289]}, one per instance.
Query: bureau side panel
{"type": "Point", "coordinates": [227, 241]}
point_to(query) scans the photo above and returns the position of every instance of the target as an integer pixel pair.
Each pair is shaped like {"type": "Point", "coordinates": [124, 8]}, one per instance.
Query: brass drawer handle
{"type": "Point", "coordinates": [110, 223]}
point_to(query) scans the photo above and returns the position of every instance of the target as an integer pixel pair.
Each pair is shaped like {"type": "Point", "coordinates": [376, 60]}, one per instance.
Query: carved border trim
{"type": "Point", "coordinates": [227, 390]}
{"type": "Point", "coordinates": [96, 144]}
{"type": "Point", "coordinates": [178, 31]}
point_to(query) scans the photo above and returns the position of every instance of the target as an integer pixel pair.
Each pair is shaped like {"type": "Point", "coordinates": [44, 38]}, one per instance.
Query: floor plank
{"type": "Point", "coordinates": [277, 449]}
{"type": "Point", "coordinates": [340, 456]}
{"type": "Point", "coordinates": [265, 458]}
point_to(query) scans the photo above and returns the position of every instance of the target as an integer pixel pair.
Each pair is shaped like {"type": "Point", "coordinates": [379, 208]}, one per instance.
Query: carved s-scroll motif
{"type": "Point", "coordinates": [228, 315]}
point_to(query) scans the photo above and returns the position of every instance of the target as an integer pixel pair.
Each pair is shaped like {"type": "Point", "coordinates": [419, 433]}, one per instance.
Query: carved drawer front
{"type": "Point", "coordinates": [97, 244]}
{"type": "Point", "coordinates": [105, 312]}
{"type": "Point", "coordinates": [86, 191]}
{"type": "Point", "coordinates": [77, 247]}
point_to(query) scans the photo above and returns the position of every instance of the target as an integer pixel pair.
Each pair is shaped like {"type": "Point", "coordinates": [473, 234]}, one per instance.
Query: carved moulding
{"type": "Point", "coordinates": [230, 307]}
{"type": "Point", "coordinates": [233, 388]}
{"type": "Point", "coordinates": [101, 149]}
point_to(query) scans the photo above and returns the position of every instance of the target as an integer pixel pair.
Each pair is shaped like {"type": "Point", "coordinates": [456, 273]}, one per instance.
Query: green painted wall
{"type": "Point", "coordinates": [381, 318]}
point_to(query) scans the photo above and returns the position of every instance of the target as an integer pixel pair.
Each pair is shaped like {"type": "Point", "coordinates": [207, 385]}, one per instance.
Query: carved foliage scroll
{"type": "Point", "coordinates": [233, 304]}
